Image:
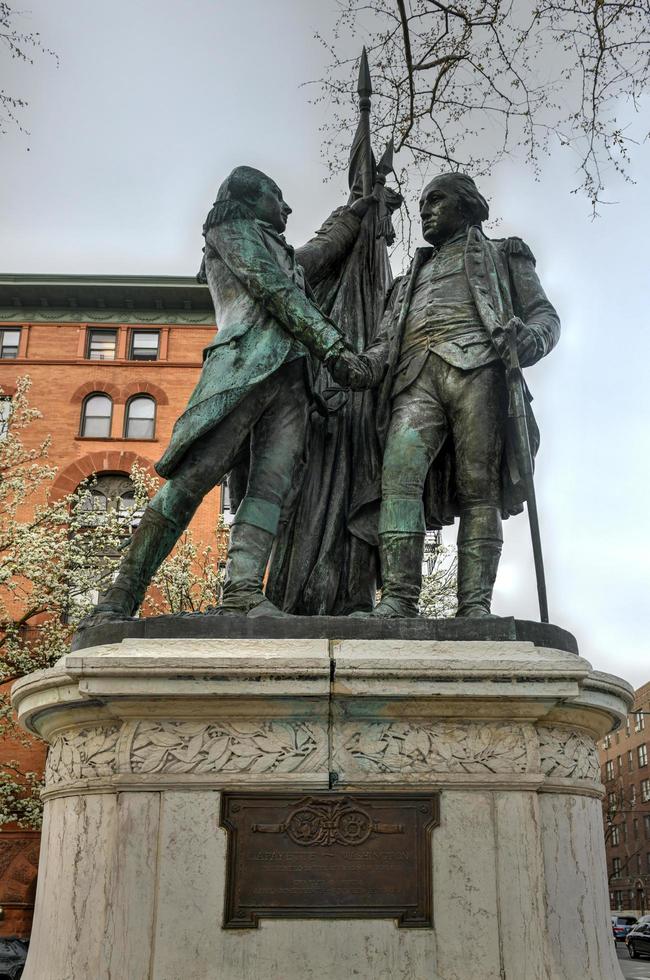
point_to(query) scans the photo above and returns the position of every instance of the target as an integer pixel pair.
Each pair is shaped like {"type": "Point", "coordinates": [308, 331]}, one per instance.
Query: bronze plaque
{"type": "Point", "coordinates": [328, 855]}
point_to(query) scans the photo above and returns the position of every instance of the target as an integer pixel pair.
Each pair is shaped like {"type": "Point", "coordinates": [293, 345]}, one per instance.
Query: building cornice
{"type": "Point", "coordinates": [104, 299]}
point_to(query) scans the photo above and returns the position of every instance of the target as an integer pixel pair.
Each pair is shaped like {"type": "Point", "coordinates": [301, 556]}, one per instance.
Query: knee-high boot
{"type": "Point", "coordinates": [480, 540]}
{"type": "Point", "coordinates": [152, 541]}
{"type": "Point", "coordinates": [401, 545]}
{"type": "Point", "coordinates": [251, 540]}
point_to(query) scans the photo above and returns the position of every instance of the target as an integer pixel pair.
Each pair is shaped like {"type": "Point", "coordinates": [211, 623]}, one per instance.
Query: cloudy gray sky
{"type": "Point", "coordinates": [155, 101]}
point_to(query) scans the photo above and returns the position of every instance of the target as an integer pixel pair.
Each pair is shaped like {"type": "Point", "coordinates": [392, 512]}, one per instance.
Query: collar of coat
{"type": "Point", "coordinates": [276, 236]}
{"type": "Point", "coordinates": [473, 234]}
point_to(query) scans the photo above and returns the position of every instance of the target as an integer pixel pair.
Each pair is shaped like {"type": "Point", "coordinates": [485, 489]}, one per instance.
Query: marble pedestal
{"type": "Point", "coordinates": [145, 733]}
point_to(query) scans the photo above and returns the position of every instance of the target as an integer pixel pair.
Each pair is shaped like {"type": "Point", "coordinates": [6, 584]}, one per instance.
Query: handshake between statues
{"type": "Point", "coordinates": [433, 443]}
{"type": "Point", "coordinates": [355, 371]}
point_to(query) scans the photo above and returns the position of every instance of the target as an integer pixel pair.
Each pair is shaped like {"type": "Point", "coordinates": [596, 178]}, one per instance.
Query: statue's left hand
{"type": "Point", "coordinates": [360, 206]}
{"type": "Point", "coordinates": [526, 342]}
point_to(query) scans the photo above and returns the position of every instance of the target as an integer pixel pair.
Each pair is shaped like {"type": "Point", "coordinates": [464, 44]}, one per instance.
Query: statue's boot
{"type": "Point", "coordinates": [480, 539]}
{"type": "Point", "coordinates": [401, 570]}
{"type": "Point", "coordinates": [152, 541]}
{"type": "Point", "coordinates": [401, 546]}
{"type": "Point", "coordinates": [248, 555]}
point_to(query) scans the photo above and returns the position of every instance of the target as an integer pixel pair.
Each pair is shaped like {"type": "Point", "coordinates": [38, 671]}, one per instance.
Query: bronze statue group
{"type": "Point", "coordinates": [351, 413]}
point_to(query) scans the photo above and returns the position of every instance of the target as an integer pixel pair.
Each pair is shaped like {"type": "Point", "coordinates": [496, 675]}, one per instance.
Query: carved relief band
{"type": "Point", "coordinates": [82, 753]}
{"type": "Point", "coordinates": [420, 747]}
{"type": "Point", "coordinates": [361, 750]}
{"type": "Point", "coordinates": [328, 855]}
{"type": "Point", "coordinates": [193, 748]}
{"type": "Point", "coordinates": [568, 753]}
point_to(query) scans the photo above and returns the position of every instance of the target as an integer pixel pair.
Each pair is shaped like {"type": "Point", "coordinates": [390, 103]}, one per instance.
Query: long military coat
{"type": "Point", "coordinates": [503, 283]}
{"type": "Point", "coordinates": [263, 314]}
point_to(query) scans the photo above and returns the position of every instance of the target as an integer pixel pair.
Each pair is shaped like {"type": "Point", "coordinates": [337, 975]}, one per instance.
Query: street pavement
{"type": "Point", "coordinates": [632, 969]}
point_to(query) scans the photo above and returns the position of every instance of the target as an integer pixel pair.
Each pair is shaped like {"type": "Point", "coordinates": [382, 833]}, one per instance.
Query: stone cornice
{"type": "Point", "coordinates": [100, 299]}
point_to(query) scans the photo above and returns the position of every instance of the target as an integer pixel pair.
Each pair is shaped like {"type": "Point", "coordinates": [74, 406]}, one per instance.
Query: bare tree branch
{"type": "Point", "coordinates": [478, 81]}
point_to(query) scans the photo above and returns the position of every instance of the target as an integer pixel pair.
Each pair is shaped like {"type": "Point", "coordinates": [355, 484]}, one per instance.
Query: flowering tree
{"type": "Point", "coordinates": [56, 556]}
{"type": "Point", "coordinates": [438, 599]}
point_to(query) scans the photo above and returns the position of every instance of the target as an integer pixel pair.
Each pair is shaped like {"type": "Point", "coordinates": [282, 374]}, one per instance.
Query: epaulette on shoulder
{"type": "Point", "coordinates": [515, 246]}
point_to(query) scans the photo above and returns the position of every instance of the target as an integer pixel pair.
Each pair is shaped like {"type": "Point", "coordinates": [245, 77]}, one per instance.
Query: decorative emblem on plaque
{"type": "Point", "coordinates": [328, 855]}
{"type": "Point", "coordinates": [314, 822]}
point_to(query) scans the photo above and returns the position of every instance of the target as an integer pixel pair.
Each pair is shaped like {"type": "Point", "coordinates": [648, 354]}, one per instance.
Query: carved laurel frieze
{"type": "Point", "coordinates": [234, 747]}
{"type": "Point", "coordinates": [410, 748]}
{"type": "Point", "coordinates": [84, 753]}
{"type": "Point", "coordinates": [568, 753]}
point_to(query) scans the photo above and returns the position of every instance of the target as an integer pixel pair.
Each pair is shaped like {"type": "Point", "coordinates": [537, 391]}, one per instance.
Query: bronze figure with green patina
{"type": "Point", "coordinates": [449, 448]}
{"type": "Point", "coordinates": [254, 394]}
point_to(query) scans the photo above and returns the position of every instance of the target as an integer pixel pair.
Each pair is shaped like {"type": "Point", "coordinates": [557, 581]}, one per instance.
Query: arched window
{"type": "Point", "coordinates": [96, 416]}
{"type": "Point", "coordinates": [140, 420]}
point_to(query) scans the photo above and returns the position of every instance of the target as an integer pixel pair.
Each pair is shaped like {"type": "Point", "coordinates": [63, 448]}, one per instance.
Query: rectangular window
{"type": "Point", "coordinates": [632, 795]}
{"type": "Point", "coordinates": [609, 769]}
{"type": "Point", "coordinates": [612, 802]}
{"type": "Point", "coordinates": [635, 828]}
{"type": "Point", "coordinates": [619, 762]}
{"type": "Point", "coordinates": [630, 760]}
{"type": "Point", "coordinates": [616, 836]}
{"type": "Point", "coordinates": [639, 721]}
{"type": "Point", "coordinates": [624, 831]}
{"type": "Point", "coordinates": [627, 726]}
{"type": "Point", "coordinates": [9, 342]}
{"type": "Point", "coordinates": [646, 823]}
{"type": "Point", "coordinates": [618, 900]}
{"type": "Point", "coordinates": [645, 790]}
{"type": "Point", "coordinates": [145, 345]}
{"type": "Point", "coordinates": [616, 867]}
{"type": "Point", "coordinates": [102, 345]}
{"type": "Point", "coordinates": [607, 742]}
{"type": "Point", "coordinates": [642, 754]}
{"type": "Point", "coordinates": [647, 862]}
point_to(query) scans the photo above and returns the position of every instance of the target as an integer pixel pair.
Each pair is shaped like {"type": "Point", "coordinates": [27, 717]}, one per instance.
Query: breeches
{"type": "Point", "coordinates": [275, 414]}
{"type": "Point", "coordinates": [446, 402]}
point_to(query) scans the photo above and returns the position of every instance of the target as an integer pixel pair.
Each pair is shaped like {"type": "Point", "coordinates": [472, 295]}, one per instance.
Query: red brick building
{"type": "Point", "coordinates": [626, 776]}
{"type": "Point", "coordinates": [113, 360]}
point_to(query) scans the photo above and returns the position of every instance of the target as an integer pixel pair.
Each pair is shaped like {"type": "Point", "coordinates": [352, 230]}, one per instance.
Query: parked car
{"type": "Point", "coordinates": [638, 939]}
{"type": "Point", "coordinates": [621, 925]}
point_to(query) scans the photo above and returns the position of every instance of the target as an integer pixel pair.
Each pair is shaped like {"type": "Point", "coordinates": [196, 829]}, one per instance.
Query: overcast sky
{"type": "Point", "coordinates": [155, 101]}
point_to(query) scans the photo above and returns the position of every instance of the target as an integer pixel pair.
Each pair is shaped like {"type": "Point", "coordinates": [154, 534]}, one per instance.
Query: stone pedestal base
{"type": "Point", "coordinates": [145, 734]}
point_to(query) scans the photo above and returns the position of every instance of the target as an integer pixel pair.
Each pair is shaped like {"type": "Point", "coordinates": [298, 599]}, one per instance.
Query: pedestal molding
{"type": "Point", "coordinates": [146, 734]}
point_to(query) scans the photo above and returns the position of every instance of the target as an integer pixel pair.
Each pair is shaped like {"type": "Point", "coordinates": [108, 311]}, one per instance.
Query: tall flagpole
{"type": "Point", "coordinates": [364, 89]}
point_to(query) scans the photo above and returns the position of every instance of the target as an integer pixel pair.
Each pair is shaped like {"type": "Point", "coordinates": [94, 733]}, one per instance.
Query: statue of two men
{"type": "Point", "coordinates": [441, 408]}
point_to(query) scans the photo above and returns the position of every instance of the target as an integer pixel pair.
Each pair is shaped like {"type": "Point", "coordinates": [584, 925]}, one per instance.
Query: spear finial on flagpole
{"type": "Point", "coordinates": [364, 89]}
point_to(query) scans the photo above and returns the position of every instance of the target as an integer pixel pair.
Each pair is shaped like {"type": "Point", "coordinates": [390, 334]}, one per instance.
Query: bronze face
{"type": "Point", "coordinates": [271, 207]}
{"type": "Point", "coordinates": [440, 212]}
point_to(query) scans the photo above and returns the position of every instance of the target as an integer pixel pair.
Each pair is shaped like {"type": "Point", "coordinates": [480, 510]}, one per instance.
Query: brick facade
{"type": "Point", "coordinates": [53, 317]}
{"type": "Point", "coordinates": [53, 351]}
{"type": "Point", "coordinates": [625, 770]}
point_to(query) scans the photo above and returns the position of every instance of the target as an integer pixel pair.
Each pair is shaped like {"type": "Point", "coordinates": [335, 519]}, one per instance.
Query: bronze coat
{"type": "Point", "coordinates": [263, 316]}
{"type": "Point", "coordinates": [503, 282]}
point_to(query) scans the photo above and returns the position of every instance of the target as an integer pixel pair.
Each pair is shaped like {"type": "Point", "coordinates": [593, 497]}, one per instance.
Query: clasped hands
{"type": "Point", "coordinates": [352, 370]}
